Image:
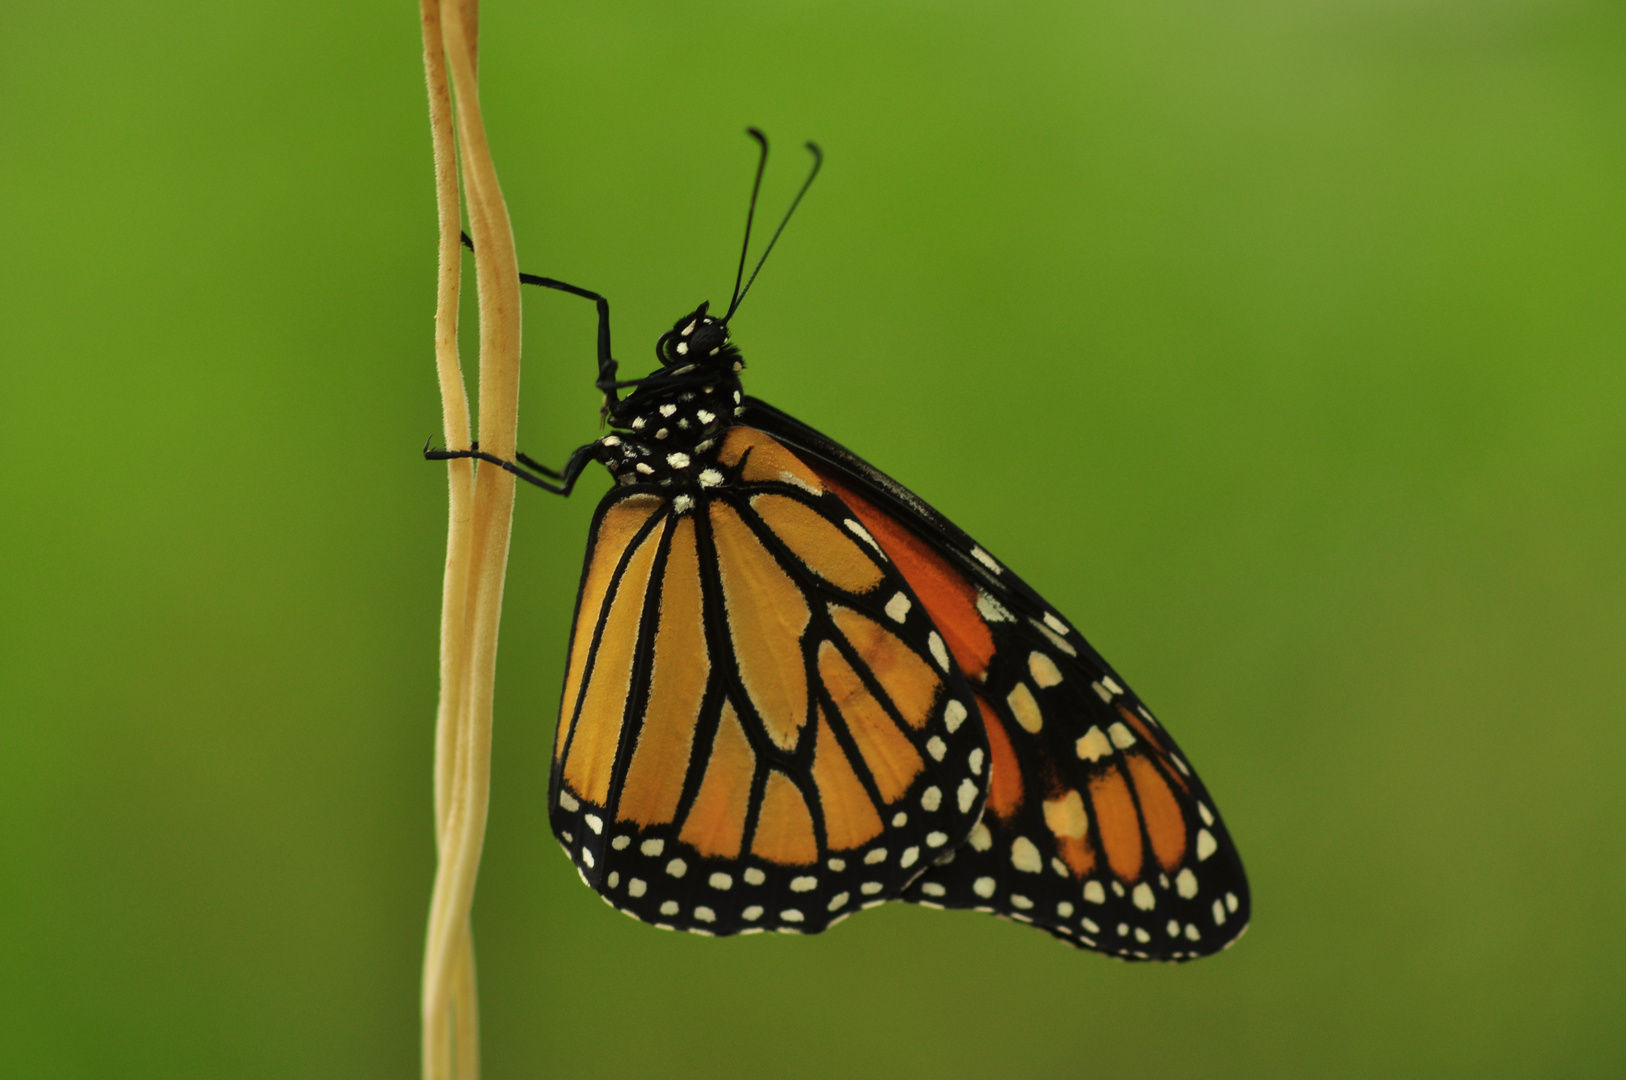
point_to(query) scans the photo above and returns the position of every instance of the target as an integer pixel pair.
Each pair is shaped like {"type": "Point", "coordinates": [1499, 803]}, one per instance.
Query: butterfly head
{"type": "Point", "coordinates": [700, 341]}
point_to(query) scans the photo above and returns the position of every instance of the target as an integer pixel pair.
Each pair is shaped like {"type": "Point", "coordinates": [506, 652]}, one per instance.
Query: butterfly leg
{"type": "Point", "coordinates": [567, 477]}
{"type": "Point", "coordinates": [606, 365]}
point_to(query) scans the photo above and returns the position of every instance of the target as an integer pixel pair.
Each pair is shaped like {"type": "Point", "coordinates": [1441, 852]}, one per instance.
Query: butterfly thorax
{"type": "Point", "coordinates": [666, 431]}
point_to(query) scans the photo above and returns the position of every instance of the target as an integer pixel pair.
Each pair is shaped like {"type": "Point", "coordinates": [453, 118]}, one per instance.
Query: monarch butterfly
{"type": "Point", "coordinates": [795, 690]}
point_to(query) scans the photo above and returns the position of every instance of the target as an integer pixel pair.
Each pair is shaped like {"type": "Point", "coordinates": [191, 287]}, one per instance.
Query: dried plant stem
{"type": "Point", "coordinates": [481, 513]}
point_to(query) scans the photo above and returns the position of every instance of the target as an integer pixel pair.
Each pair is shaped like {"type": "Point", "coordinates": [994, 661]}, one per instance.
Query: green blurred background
{"type": "Point", "coordinates": [1279, 344]}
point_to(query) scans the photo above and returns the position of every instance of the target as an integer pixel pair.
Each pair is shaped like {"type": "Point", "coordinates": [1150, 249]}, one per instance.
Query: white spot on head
{"type": "Point", "coordinates": [720, 880]}
{"type": "Point", "coordinates": [898, 607]}
{"type": "Point", "coordinates": [668, 410]}
{"type": "Point", "coordinates": [806, 883]}
{"type": "Point", "coordinates": [1230, 902]}
{"type": "Point", "coordinates": [678, 460]}
{"type": "Point", "coordinates": [870, 888]}
{"type": "Point", "coordinates": [753, 876]}
{"type": "Point", "coordinates": [1143, 897]}
{"type": "Point", "coordinates": [752, 913]}
{"type": "Point", "coordinates": [687, 330]}
{"type": "Point", "coordinates": [653, 847]}
{"type": "Point", "coordinates": [936, 748]}
{"type": "Point", "coordinates": [936, 839]}
{"type": "Point", "coordinates": [838, 901]}
{"type": "Point", "coordinates": [986, 559]}
{"type": "Point", "coordinates": [1056, 624]}
{"type": "Point", "coordinates": [1025, 856]}
{"type": "Point", "coordinates": [1043, 669]}
{"type": "Point", "coordinates": [568, 801]}
{"type": "Point", "coordinates": [1185, 883]}
{"type": "Point", "coordinates": [966, 794]}
{"type": "Point", "coordinates": [939, 653]}
{"type": "Point", "coordinates": [610, 440]}
{"type": "Point", "coordinates": [705, 914]}
{"type": "Point", "coordinates": [682, 348]}
{"type": "Point", "coordinates": [877, 855]}
{"type": "Point", "coordinates": [1121, 736]}
{"type": "Point", "coordinates": [1021, 901]}
{"type": "Point", "coordinates": [931, 798]}
{"type": "Point", "coordinates": [1093, 745]}
{"type": "Point", "coordinates": [975, 761]}
{"type": "Point", "coordinates": [710, 478]}
{"type": "Point", "coordinates": [594, 822]}
{"type": "Point", "coordinates": [1208, 815]}
{"type": "Point", "coordinates": [790, 915]}
{"type": "Point", "coordinates": [682, 504]}
{"type": "Point", "coordinates": [907, 859]}
{"type": "Point", "coordinates": [669, 907]}
{"type": "Point", "coordinates": [1094, 893]}
{"type": "Point", "coordinates": [980, 839]}
{"type": "Point", "coordinates": [837, 865]}
{"type": "Point", "coordinates": [1205, 844]}
{"type": "Point", "coordinates": [636, 887]}
{"type": "Point", "coordinates": [677, 868]}
{"type": "Point", "coordinates": [983, 887]}
{"type": "Point", "coordinates": [953, 715]}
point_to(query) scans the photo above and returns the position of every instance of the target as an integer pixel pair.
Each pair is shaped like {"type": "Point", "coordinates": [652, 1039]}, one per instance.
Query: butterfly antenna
{"type": "Point", "coordinates": [818, 162]}
{"type": "Point", "coordinates": [750, 213]}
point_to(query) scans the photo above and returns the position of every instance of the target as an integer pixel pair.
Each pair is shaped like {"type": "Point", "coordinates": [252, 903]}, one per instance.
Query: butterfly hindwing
{"type": "Point", "coordinates": [761, 728]}
{"type": "Point", "coordinates": [1095, 827]}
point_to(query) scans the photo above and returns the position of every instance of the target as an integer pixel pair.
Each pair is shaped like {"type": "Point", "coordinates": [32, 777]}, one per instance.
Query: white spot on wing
{"type": "Point", "coordinates": [1185, 883]}
{"type": "Point", "coordinates": [936, 748]}
{"type": "Point", "coordinates": [1121, 737]}
{"type": "Point", "coordinates": [862, 533]}
{"type": "Point", "coordinates": [953, 715]}
{"type": "Point", "coordinates": [992, 610]}
{"type": "Point", "coordinates": [1208, 815]}
{"type": "Point", "coordinates": [720, 880]}
{"type": "Point", "coordinates": [967, 796]}
{"type": "Point", "coordinates": [1056, 624]}
{"type": "Point", "coordinates": [1094, 893]}
{"type": "Point", "coordinates": [753, 876]}
{"type": "Point", "coordinates": [636, 887]}
{"type": "Point", "coordinates": [669, 907]}
{"type": "Point", "coordinates": [939, 652]}
{"type": "Point", "coordinates": [752, 913]}
{"type": "Point", "coordinates": [1025, 856]}
{"type": "Point", "coordinates": [652, 848]}
{"type": "Point", "coordinates": [1093, 745]}
{"type": "Point", "coordinates": [980, 839]}
{"type": "Point", "coordinates": [568, 801]}
{"type": "Point", "coordinates": [1043, 669]}
{"type": "Point", "coordinates": [1143, 898]}
{"type": "Point", "coordinates": [986, 559]}
{"type": "Point", "coordinates": [1206, 845]}
{"type": "Point", "coordinates": [877, 855]}
{"type": "Point", "coordinates": [907, 859]}
{"type": "Point", "coordinates": [931, 798]}
{"type": "Point", "coordinates": [677, 868]}
{"type": "Point", "coordinates": [936, 839]}
{"type": "Point", "coordinates": [983, 887]}
{"type": "Point", "coordinates": [897, 608]}
{"type": "Point", "coordinates": [804, 884]}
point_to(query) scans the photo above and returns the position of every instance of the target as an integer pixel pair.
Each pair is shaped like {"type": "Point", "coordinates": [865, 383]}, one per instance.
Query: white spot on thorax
{"type": "Point", "coordinates": [682, 504]}
{"type": "Point", "coordinates": [668, 409]}
{"type": "Point", "coordinates": [704, 416]}
{"type": "Point", "coordinates": [710, 478]}
{"type": "Point", "coordinates": [645, 468]}
{"type": "Point", "coordinates": [682, 348]}
{"type": "Point", "coordinates": [678, 460]}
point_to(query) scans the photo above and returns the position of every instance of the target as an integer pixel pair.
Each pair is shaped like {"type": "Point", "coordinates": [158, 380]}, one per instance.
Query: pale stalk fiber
{"type": "Point", "coordinates": [477, 549]}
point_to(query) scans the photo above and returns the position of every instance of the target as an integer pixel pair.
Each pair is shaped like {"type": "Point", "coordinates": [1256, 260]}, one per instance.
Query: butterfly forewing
{"type": "Point", "coordinates": [1095, 827]}
{"type": "Point", "coordinates": [761, 727]}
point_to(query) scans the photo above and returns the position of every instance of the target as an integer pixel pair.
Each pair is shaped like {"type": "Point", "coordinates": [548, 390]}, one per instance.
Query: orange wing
{"type": "Point", "coordinates": [1096, 829]}
{"type": "Point", "coordinates": [761, 726]}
